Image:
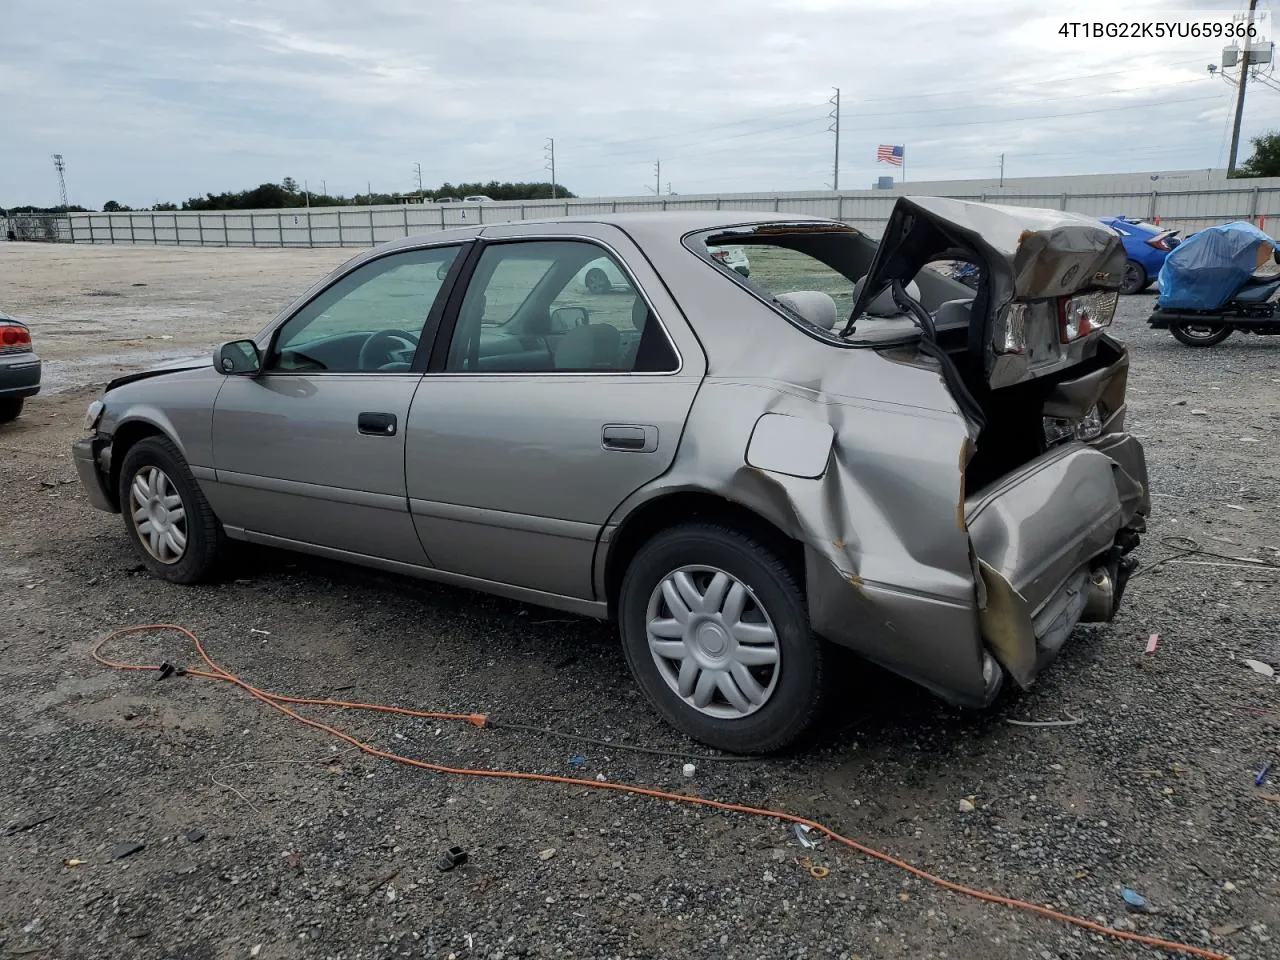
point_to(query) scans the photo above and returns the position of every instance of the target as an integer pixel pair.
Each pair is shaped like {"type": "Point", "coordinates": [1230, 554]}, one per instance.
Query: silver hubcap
{"type": "Point", "coordinates": [158, 515]}
{"type": "Point", "coordinates": [713, 642]}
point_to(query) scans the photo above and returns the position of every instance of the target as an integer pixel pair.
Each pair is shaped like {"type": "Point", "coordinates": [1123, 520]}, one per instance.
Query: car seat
{"type": "Point", "coordinates": [594, 346]}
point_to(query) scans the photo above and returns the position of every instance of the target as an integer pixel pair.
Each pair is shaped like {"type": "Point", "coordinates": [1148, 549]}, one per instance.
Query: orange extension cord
{"type": "Point", "coordinates": [277, 702]}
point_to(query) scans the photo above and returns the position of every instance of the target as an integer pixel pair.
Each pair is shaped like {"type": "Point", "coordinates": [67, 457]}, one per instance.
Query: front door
{"type": "Point", "coordinates": [311, 451]}
{"type": "Point", "coordinates": [557, 397]}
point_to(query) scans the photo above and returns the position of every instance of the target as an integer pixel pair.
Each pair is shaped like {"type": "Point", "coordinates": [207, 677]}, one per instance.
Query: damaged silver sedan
{"type": "Point", "coordinates": [844, 447]}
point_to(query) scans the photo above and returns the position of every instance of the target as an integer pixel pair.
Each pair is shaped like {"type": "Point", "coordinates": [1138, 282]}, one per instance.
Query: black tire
{"type": "Point", "coordinates": [1135, 278]}
{"type": "Point", "coordinates": [205, 540]}
{"type": "Point", "coordinates": [10, 408]}
{"type": "Point", "coordinates": [1213, 335]}
{"type": "Point", "coordinates": [596, 281]}
{"type": "Point", "coordinates": [798, 693]}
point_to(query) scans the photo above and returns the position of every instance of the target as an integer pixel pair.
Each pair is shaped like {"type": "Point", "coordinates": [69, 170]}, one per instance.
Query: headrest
{"type": "Point", "coordinates": [584, 348]}
{"type": "Point", "coordinates": [884, 305]}
{"type": "Point", "coordinates": [816, 307]}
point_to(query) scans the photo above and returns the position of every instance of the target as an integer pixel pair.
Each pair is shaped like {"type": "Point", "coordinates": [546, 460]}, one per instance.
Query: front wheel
{"type": "Point", "coordinates": [9, 409]}
{"type": "Point", "coordinates": [1200, 334]}
{"type": "Point", "coordinates": [716, 631]}
{"type": "Point", "coordinates": [170, 522]}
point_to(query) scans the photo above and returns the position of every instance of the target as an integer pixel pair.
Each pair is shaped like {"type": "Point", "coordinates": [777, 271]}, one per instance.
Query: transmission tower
{"type": "Point", "coordinates": [62, 180]}
{"type": "Point", "coordinates": [834, 116]}
{"type": "Point", "coordinates": [549, 149]}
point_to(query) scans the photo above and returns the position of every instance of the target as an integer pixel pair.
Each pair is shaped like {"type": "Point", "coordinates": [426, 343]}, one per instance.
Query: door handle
{"type": "Point", "coordinates": [377, 424]}
{"type": "Point", "coordinates": [631, 437]}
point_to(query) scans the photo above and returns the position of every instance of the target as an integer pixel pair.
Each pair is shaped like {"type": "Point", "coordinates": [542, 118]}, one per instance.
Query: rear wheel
{"type": "Point", "coordinates": [170, 522]}
{"type": "Point", "coordinates": [9, 409]}
{"type": "Point", "coordinates": [597, 281]}
{"type": "Point", "coordinates": [716, 632]}
{"type": "Point", "coordinates": [1135, 277]}
{"type": "Point", "coordinates": [1200, 334]}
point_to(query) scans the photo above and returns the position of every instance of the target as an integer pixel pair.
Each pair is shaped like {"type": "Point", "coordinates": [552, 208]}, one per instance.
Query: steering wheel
{"type": "Point", "coordinates": [377, 349]}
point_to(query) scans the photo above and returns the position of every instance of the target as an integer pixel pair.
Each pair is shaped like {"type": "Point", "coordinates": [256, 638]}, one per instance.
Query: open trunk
{"type": "Point", "coordinates": [1056, 491]}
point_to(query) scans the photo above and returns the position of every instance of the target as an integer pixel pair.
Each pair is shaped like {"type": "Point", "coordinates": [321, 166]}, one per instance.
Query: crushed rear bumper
{"type": "Point", "coordinates": [1052, 542]}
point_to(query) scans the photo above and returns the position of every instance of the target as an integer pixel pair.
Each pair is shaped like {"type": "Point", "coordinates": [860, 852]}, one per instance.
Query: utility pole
{"type": "Point", "coordinates": [550, 149]}
{"type": "Point", "coordinates": [1244, 79]}
{"type": "Point", "coordinates": [417, 169]}
{"type": "Point", "coordinates": [307, 193]}
{"type": "Point", "coordinates": [835, 115]}
{"type": "Point", "coordinates": [657, 176]}
{"type": "Point", "coordinates": [368, 192]}
{"type": "Point", "coordinates": [1002, 169]}
{"type": "Point", "coordinates": [62, 180]}
{"type": "Point", "coordinates": [324, 188]}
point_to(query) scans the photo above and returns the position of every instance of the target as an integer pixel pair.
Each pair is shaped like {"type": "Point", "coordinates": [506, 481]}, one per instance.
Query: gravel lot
{"type": "Point", "coordinates": [310, 849]}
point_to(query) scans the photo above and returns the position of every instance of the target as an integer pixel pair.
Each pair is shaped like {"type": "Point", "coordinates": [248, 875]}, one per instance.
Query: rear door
{"type": "Point", "coordinates": [311, 451]}
{"type": "Point", "coordinates": [546, 405]}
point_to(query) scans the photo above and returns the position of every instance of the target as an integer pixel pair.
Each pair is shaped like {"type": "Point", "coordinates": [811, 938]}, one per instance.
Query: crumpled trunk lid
{"type": "Point", "coordinates": [1030, 260]}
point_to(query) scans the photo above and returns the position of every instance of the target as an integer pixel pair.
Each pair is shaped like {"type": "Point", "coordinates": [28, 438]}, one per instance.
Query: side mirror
{"type": "Point", "coordinates": [238, 358]}
{"type": "Point", "coordinates": [566, 318]}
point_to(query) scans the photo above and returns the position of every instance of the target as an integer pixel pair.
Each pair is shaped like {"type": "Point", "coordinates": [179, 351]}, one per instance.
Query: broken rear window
{"type": "Point", "coordinates": [809, 272]}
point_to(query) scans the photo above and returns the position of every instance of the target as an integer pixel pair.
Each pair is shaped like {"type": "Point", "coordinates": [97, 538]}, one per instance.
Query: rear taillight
{"type": "Point", "coordinates": [1084, 313]}
{"type": "Point", "coordinates": [14, 338]}
{"type": "Point", "coordinates": [1165, 241]}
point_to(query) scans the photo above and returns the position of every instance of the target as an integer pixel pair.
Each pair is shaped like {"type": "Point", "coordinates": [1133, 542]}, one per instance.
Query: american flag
{"type": "Point", "coordinates": [889, 154]}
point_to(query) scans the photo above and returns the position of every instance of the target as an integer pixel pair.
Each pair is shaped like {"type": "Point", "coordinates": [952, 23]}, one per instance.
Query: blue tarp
{"type": "Point", "coordinates": [1205, 270]}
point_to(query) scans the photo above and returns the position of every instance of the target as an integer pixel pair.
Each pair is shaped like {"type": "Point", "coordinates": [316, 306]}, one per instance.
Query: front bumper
{"type": "Point", "coordinates": [85, 455]}
{"type": "Point", "coordinates": [19, 376]}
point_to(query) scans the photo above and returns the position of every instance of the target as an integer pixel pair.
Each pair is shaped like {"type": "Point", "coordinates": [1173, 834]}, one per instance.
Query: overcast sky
{"type": "Point", "coordinates": [160, 100]}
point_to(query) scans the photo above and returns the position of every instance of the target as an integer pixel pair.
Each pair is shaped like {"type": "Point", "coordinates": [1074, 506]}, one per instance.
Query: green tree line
{"type": "Point", "coordinates": [287, 193]}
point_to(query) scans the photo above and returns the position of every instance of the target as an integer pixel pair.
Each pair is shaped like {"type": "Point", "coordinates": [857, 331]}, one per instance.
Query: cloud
{"type": "Point", "coordinates": [151, 100]}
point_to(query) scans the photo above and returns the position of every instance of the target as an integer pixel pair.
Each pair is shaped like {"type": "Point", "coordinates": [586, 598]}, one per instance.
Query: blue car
{"type": "Point", "coordinates": [1145, 246]}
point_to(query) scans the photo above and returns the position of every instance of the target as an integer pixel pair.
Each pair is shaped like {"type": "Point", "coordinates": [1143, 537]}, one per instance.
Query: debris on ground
{"type": "Point", "coordinates": [126, 848]}
{"type": "Point", "coordinates": [1257, 666]}
{"type": "Point", "coordinates": [1071, 721]}
{"type": "Point", "coordinates": [688, 770]}
{"type": "Point", "coordinates": [965, 805]}
{"type": "Point", "coordinates": [802, 832]}
{"type": "Point", "coordinates": [1153, 642]}
{"type": "Point", "coordinates": [547, 854]}
{"type": "Point", "coordinates": [194, 836]}
{"type": "Point", "coordinates": [453, 857]}
{"type": "Point", "coordinates": [1135, 900]}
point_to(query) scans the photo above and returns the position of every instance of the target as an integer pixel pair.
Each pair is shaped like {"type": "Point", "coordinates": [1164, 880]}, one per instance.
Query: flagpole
{"type": "Point", "coordinates": [904, 163]}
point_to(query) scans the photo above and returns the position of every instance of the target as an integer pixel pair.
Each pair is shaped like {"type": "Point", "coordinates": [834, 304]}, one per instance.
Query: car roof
{"type": "Point", "coordinates": [644, 228]}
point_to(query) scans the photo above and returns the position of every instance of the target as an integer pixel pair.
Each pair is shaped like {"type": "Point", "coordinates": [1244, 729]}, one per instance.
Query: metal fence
{"type": "Point", "coordinates": [1257, 201]}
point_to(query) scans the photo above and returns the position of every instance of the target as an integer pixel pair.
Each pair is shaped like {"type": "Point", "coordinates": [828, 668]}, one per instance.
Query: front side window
{"type": "Point", "coordinates": [555, 306]}
{"type": "Point", "coordinates": [371, 320]}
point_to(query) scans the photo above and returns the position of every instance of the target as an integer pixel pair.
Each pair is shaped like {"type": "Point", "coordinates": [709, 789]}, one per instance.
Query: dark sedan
{"type": "Point", "coordinates": [19, 367]}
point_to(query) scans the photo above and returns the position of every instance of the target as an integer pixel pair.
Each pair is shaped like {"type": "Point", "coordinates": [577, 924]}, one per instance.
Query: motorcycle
{"type": "Point", "coordinates": [967, 273]}
{"type": "Point", "coordinates": [1210, 286]}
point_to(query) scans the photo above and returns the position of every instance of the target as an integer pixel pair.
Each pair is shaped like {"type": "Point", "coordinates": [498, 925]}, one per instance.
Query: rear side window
{"type": "Point", "coordinates": [780, 270]}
